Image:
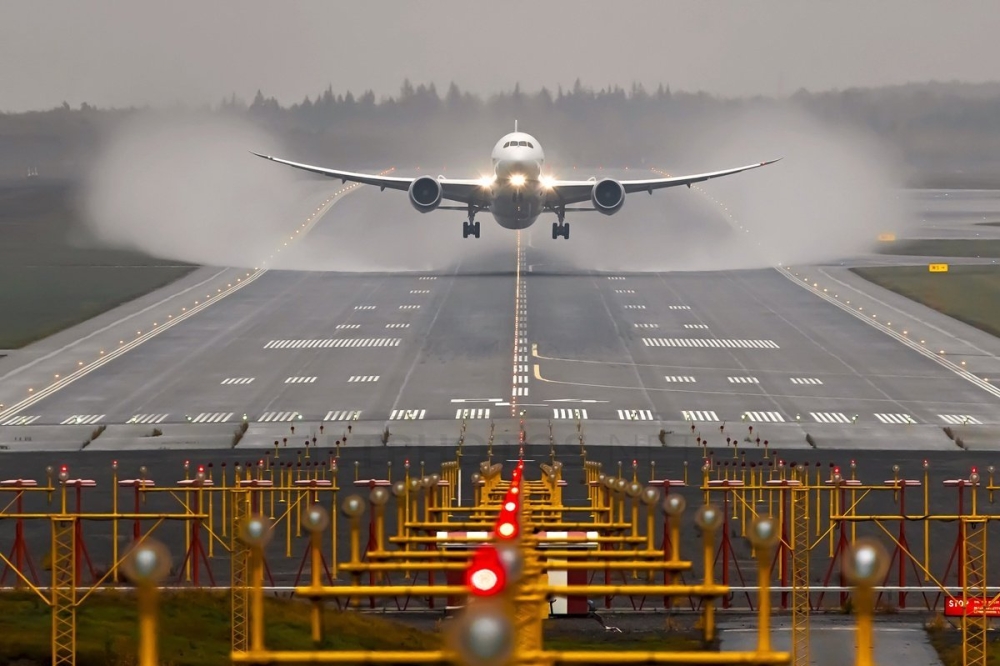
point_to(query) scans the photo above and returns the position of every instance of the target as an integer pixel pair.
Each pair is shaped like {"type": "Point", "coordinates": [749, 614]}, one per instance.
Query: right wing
{"type": "Point", "coordinates": [464, 191]}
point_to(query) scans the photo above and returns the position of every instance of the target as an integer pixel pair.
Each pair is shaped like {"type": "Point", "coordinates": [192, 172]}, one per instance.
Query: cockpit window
{"type": "Point", "coordinates": [522, 143]}
{"type": "Point", "coordinates": [506, 144]}
{"type": "Point", "coordinates": [529, 144]}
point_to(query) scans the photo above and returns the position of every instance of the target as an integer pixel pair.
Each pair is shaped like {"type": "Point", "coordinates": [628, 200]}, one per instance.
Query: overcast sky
{"type": "Point", "coordinates": [139, 52]}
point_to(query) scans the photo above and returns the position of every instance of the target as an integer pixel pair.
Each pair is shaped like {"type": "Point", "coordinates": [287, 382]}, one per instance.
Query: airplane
{"type": "Point", "coordinates": [518, 192]}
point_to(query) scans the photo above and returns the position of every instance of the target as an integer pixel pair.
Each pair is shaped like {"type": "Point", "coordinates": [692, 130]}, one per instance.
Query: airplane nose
{"type": "Point", "coordinates": [527, 168]}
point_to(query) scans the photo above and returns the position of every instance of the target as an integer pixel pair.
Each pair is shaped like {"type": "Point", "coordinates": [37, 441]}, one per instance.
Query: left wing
{"type": "Point", "coordinates": [565, 192]}
{"type": "Point", "coordinates": [464, 191]}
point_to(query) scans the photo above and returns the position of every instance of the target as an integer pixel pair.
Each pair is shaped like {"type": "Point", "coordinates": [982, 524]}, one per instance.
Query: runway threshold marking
{"type": "Point", "coordinates": [960, 419]}
{"type": "Point", "coordinates": [83, 419]}
{"type": "Point", "coordinates": [955, 368]}
{"type": "Point", "coordinates": [170, 323]}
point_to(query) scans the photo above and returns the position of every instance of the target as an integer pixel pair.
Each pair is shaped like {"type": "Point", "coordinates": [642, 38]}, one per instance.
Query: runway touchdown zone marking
{"type": "Point", "coordinates": [409, 307]}
{"type": "Point", "coordinates": [343, 326]}
{"type": "Point", "coordinates": [397, 325]}
{"type": "Point", "coordinates": [960, 419]}
{"type": "Point", "coordinates": [21, 420]}
{"type": "Point", "coordinates": [407, 414]}
{"type": "Point", "coordinates": [278, 417]}
{"type": "Point", "coordinates": [705, 417]}
{"type": "Point", "coordinates": [343, 415]}
{"type": "Point", "coordinates": [237, 380]}
{"type": "Point", "coordinates": [679, 307]}
{"type": "Point", "coordinates": [899, 419]}
{"type": "Point", "coordinates": [472, 414]}
{"type": "Point", "coordinates": [698, 326]}
{"type": "Point", "coordinates": [212, 417]}
{"type": "Point", "coordinates": [743, 380]}
{"type": "Point", "coordinates": [813, 381]}
{"type": "Point", "coordinates": [646, 325]}
{"type": "Point", "coordinates": [635, 415]}
{"type": "Point", "coordinates": [679, 379]}
{"type": "Point", "coordinates": [301, 380]}
{"type": "Point", "coordinates": [148, 418]}
{"type": "Point", "coordinates": [830, 417]}
{"type": "Point", "coordinates": [635, 307]}
{"type": "Point", "coordinates": [569, 414]}
{"type": "Point", "coordinates": [764, 417]}
{"type": "Point", "coordinates": [83, 419]}
{"type": "Point", "coordinates": [364, 378]}
{"type": "Point", "coordinates": [624, 291]}
{"type": "Point", "coordinates": [333, 343]}
{"type": "Point", "coordinates": [364, 307]}
{"type": "Point", "coordinates": [710, 343]}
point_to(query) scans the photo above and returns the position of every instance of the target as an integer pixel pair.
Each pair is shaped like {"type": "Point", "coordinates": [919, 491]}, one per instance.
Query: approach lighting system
{"type": "Point", "coordinates": [486, 576]}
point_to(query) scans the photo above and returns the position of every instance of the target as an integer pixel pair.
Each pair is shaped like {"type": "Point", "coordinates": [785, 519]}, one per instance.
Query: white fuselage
{"type": "Point", "coordinates": [517, 187]}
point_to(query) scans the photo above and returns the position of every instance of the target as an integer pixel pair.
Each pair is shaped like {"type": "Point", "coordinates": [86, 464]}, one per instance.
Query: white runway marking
{"type": "Point", "coordinates": [679, 379]}
{"type": "Point", "coordinates": [237, 380]}
{"type": "Point", "coordinates": [829, 417]}
{"type": "Point", "coordinates": [420, 291]}
{"type": "Point", "coordinates": [743, 380]}
{"type": "Point", "coordinates": [635, 415]}
{"type": "Point", "coordinates": [520, 391]}
{"type": "Point", "coordinates": [680, 307]}
{"type": "Point", "coordinates": [363, 378]}
{"type": "Point", "coordinates": [301, 380]}
{"type": "Point", "coordinates": [148, 418]}
{"type": "Point", "coordinates": [698, 326]}
{"type": "Point", "coordinates": [274, 417]}
{"type": "Point", "coordinates": [521, 379]}
{"type": "Point", "coordinates": [397, 325]}
{"type": "Point", "coordinates": [348, 415]}
{"type": "Point", "coordinates": [364, 307]}
{"type": "Point", "coordinates": [807, 380]}
{"type": "Point", "coordinates": [960, 419]}
{"type": "Point", "coordinates": [21, 420]}
{"type": "Point", "coordinates": [635, 307]}
{"type": "Point", "coordinates": [212, 417]}
{"type": "Point", "coordinates": [83, 419]}
{"type": "Point", "coordinates": [409, 307]}
{"type": "Point", "coordinates": [646, 325]}
{"type": "Point", "coordinates": [571, 414]}
{"type": "Point", "coordinates": [334, 343]}
{"type": "Point", "coordinates": [895, 418]}
{"type": "Point", "coordinates": [624, 291]}
{"type": "Point", "coordinates": [616, 277]}
{"type": "Point", "coordinates": [472, 414]}
{"type": "Point", "coordinates": [341, 326]}
{"type": "Point", "coordinates": [427, 278]}
{"type": "Point", "coordinates": [407, 414]}
{"type": "Point", "coordinates": [707, 417]}
{"type": "Point", "coordinates": [709, 343]}
{"type": "Point", "coordinates": [764, 417]}
{"type": "Point", "coordinates": [520, 368]}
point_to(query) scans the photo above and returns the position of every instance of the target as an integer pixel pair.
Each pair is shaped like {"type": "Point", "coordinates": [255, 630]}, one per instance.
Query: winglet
{"type": "Point", "coordinates": [266, 157]}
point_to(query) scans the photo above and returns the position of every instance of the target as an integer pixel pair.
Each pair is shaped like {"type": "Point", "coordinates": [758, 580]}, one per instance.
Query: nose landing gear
{"type": "Point", "coordinates": [560, 228]}
{"type": "Point", "coordinates": [470, 228]}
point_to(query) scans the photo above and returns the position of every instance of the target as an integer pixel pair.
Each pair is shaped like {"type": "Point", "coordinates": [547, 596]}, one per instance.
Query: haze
{"type": "Point", "coordinates": [122, 54]}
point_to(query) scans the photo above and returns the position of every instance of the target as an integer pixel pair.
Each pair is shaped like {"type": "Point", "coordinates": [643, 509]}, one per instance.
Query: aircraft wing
{"type": "Point", "coordinates": [464, 191]}
{"type": "Point", "coordinates": [577, 191]}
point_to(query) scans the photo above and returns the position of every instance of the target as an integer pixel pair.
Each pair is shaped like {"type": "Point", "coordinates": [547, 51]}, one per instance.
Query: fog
{"type": "Point", "coordinates": [184, 187]}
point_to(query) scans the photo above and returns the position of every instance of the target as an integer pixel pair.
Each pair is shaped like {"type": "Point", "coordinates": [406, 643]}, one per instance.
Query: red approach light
{"type": "Point", "coordinates": [507, 527]}
{"type": "Point", "coordinates": [485, 576]}
{"type": "Point", "coordinates": [973, 469]}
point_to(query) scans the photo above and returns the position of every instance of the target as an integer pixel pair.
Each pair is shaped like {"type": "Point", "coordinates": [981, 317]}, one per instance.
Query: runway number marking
{"type": "Point", "coordinates": [900, 419]}
{"type": "Point", "coordinates": [635, 415]}
{"type": "Point", "coordinates": [830, 417]}
{"type": "Point", "coordinates": [237, 380]}
{"type": "Point", "coordinates": [715, 343]}
{"type": "Point", "coordinates": [705, 417]}
{"type": "Point", "coordinates": [407, 414]}
{"type": "Point", "coordinates": [83, 419]}
{"type": "Point", "coordinates": [960, 419]}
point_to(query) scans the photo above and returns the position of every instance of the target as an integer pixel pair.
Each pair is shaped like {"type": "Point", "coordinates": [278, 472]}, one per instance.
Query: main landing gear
{"type": "Point", "coordinates": [470, 228]}
{"type": "Point", "coordinates": [560, 228]}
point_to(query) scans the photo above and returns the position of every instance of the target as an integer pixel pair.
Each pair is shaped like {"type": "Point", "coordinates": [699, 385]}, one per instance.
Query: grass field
{"type": "Point", "coordinates": [968, 293]}
{"type": "Point", "coordinates": [194, 630]}
{"type": "Point", "coordinates": [951, 247]}
{"type": "Point", "coordinates": [49, 278]}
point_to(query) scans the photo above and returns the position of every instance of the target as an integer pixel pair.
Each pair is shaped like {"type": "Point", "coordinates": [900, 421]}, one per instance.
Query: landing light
{"type": "Point", "coordinates": [486, 181]}
{"type": "Point", "coordinates": [548, 182]}
{"type": "Point", "coordinates": [517, 180]}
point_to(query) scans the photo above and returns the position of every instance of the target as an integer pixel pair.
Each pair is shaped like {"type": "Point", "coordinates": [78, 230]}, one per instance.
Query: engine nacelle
{"type": "Point", "coordinates": [425, 194]}
{"type": "Point", "coordinates": [608, 196]}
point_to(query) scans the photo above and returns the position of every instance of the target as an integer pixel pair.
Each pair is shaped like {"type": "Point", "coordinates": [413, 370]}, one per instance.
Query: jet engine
{"type": "Point", "coordinates": [608, 196]}
{"type": "Point", "coordinates": [425, 194]}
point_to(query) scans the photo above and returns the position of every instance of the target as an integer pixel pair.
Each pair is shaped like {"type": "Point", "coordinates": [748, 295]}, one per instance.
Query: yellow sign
{"type": "Point", "coordinates": [937, 268]}
{"type": "Point", "coordinates": [887, 237]}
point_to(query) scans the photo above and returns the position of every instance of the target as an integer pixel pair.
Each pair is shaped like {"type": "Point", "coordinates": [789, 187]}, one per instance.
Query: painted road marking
{"type": "Point", "coordinates": [83, 419]}
{"type": "Point", "coordinates": [699, 326]}
{"type": "Point", "coordinates": [348, 326]}
{"type": "Point", "coordinates": [364, 307]}
{"type": "Point", "coordinates": [521, 379]}
{"type": "Point", "coordinates": [743, 380]}
{"type": "Point", "coordinates": [635, 415]}
{"type": "Point", "coordinates": [301, 380]}
{"type": "Point", "coordinates": [679, 379]}
{"type": "Point", "coordinates": [709, 342]}
{"type": "Point", "coordinates": [397, 325]}
{"type": "Point", "coordinates": [407, 414]}
{"type": "Point", "coordinates": [327, 344]}
{"type": "Point", "coordinates": [903, 419]}
{"type": "Point", "coordinates": [830, 417]}
{"type": "Point", "coordinates": [420, 291]}
{"type": "Point", "coordinates": [343, 415]}
{"type": "Point", "coordinates": [807, 380]}
{"type": "Point", "coordinates": [363, 378]}
{"type": "Point", "coordinates": [680, 307]}
{"type": "Point", "coordinates": [635, 307]}
{"type": "Point", "coordinates": [212, 417]}
{"type": "Point", "coordinates": [148, 418]}
{"type": "Point", "coordinates": [708, 417]}
{"type": "Point", "coordinates": [764, 417]}
{"type": "Point", "coordinates": [960, 419]}
{"type": "Point", "coordinates": [624, 291]}
{"type": "Point", "coordinates": [237, 380]}
{"type": "Point", "coordinates": [273, 417]}
{"type": "Point", "coordinates": [519, 391]}
{"type": "Point", "coordinates": [646, 325]}
{"type": "Point", "coordinates": [409, 307]}
{"type": "Point", "coordinates": [472, 414]}
{"type": "Point", "coordinates": [571, 414]}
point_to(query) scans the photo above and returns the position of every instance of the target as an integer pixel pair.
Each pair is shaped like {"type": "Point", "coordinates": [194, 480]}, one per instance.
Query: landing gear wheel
{"type": "Point", "coordinates": [475, 229]}
{"type": "Point", "coordinates": [560, 229]}
{"type": "Point", "coordinates": [555, 230]}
